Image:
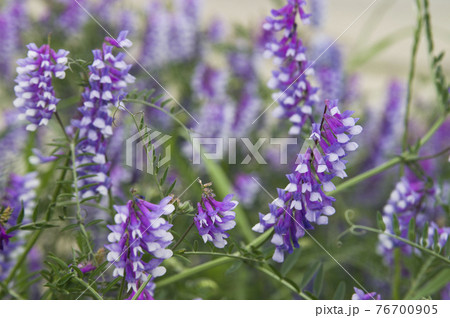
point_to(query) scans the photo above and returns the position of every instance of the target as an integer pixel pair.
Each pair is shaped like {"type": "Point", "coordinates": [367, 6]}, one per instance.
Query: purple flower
{"type": "Point", "coordinates": [34, 90]}
{"type": "Point", "coordinates": [12, 142]}
{"type": "Point", "coordinates": [406, 202]}
{"type": "Point", "coordinates": [360, 295]}
{"type": "Point", "coordinates": [296, 96]}
{"type": "Point", "coordinates": [217, 111]}
{"type": "Point", "coordinates": [328, 68]}
{"type": "Point", "coordinates": [13, 21]}
{"type": "Point", "coordinates": [73, 17]}
{"type": "Point", "coordinates": [4, 238]}
{"type": "Point", "coordinates": [86, 267]}
{"type": "Point", "coordinates": [19, 194]}
{"type": "Point", "coordinates": [215, 218]}
{"type": "Point", "coordinates": [318, 12]}
{"type": "Point", "coordinates": [139, 229]}
{"type": "Point", "coordinates": [39, 158]}
{"type": "Point", "coordinates": [441, 233]}
{"type": "Point", "coordinates": [216, 31]}
{"type": "Point", "coordinates": [183, 30]}
{"type": "Point", "coordinates": [303, 201]}
{"type": "Point", "coordinates": [246, 188]}
{"type": "Point", "coordinates": [155, 48]}
{"type": "Point", "coordinates": [209, 82]}
{"type": "Point", "coordinates": [389, 129]}
{"type": "Point", "coordinates": [109, 76]}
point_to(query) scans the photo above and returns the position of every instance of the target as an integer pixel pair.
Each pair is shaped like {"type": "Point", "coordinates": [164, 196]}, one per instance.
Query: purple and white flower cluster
{"type": "Point", "coordinates": [108, 79]}
{"type": "Point", "coordinates": [19, 194]}
{"type": "Point", "coordinates": [295, 94]}
{"type": "Point", "coordinates": [304, 200]}
{"type": "Point", "coordinates": [217, 109]}
{"type": "Point", "coordinates": [139, 230]}
{"type": "Point", "coordinates": [34, 90]}
{"type": "Point", "coordinates": [171, 36]}
{"type": "Point", "coordinates": [215, 218]}
{"type": "Point", "coordinates": [13, 20]}
{"type": "Point", "coordinates": [409, 200]}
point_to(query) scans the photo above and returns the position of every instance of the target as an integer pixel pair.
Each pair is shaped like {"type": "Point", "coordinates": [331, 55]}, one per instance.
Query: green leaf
{"type": "Point", "coordinates": [318, 281]}
{"type": "Point", "coordinates": [94, 222]}
{"type": "Point", "coordinates": [311, 295]}
{"type": "Point", "coordinates": [275, 271]}
{"type": "Point", "coordinates": [163, 178]}
{"type": "Point", "coordinates": [434, 284]}
{"type": "Point", "coordinates": [21, 214]}
{"type": "Point", "coordinates": [412, 230]}
{"type": "Point", "coordinates": [309, 274]}
{"type": "Point", "coordinates": [111, 285]}
{"type": "Point", "coordinates": [290, 261]}
{"type": "Point", "coordinates": [396, 225]}
{"type": "Point", "coordinates": [236, 265]}
{"type": "Point", "coordinates": [339, 294]}
{"type": "Point", "coordinates": [425, 235]}
{"type": "Point", "coordinates": [58, 261]}
{"type": "Point", "coordinates": [195, 247]}
{"type": "Point", "coordinates": [380, 222]}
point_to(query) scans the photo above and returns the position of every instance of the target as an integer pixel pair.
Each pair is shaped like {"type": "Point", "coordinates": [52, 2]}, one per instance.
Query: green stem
{"type": "Point", "coordinates": [141, 288]}
{"type": "Point", "coordinates": [183, 236]}
{"type": "Point", "coordinates": [122, 287]}
{"type": "Point", "coordinates": [88, 287]}
{"type": "Point", "coordinates": [412, 69]}
{"type": "Point", "coordinates": [420, 247]}
{"type": "Point", "coordinates": [77, 197]}
{"type": "Point", "coordinates": [397, 275]}
{"type": "Point", "coordinates": [365, 175]}
{"type": "Point", "coordinates": [283, 281]}
{"type": "Point", "coordinates": [193, 270]}
{"type": "Point", "coordinates": [235, 255]}
{"type": "Point", "coordinates": [419, 277]}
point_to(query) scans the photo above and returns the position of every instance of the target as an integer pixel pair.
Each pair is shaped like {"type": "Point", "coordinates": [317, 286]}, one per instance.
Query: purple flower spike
{"type": "Point", "coordinates": [295, 94]}
{"type": "Point", "coordinates": [4, 238]}
{"type": "Point", "coordinates": [19, 193]}
{"type": "Point", "coordinates": [214, 218]}
{"type": "Point", "coordinates": [139, 228]}
{"type": "Point", "coordinates": [360, 295]}
{"type": "Point", "coordinates": [109, 76]}
{"type": "Point", "coordinates": [34, 90]}
{"type": "Point", "coordinates": [405, 201]}
{"type": "Point", "coordinates": [303, 201]}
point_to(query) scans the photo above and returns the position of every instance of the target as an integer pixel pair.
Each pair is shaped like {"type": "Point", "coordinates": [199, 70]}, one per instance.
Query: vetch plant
{"type": "Point", "coordinates": [78, 220]}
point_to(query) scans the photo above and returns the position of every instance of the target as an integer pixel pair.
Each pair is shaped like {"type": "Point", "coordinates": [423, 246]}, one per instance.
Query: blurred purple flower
{"type": "Point", "coordinates": [34, 90]}
{"type": "Point", "coordinates": [13, 20]}
{"type": "Point", "coordinates": [318, 12]}
{"type": "Point", "coordinates": [73, 17]}
{"type": "Point", "coordinates": [19, 194]}
{"type": "Point", "coordinates": [328, 68]}
{"type": "Point", "coordinates": [304, 201]}
{"type": "Point", "coordinates": [296, 96]}
{"type": "Point", "coordinates": [246, 188]}
{"type": "Point", "coordinates": [361, 295]}
{"type": "Point", "coordinates": [155, 48]}
{"type": "Point", "coordinates": [406, 202]}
